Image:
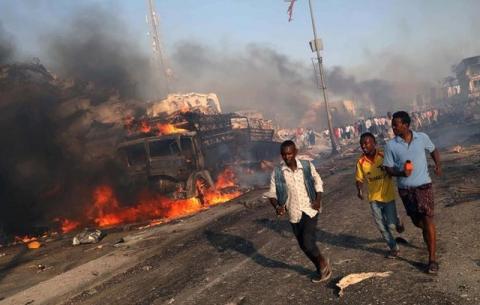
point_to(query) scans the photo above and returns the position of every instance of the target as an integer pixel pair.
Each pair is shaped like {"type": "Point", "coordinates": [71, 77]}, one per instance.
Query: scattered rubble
{"type": "Point", "coordinates": [355, 278]}
{"type": "Point", "coordinates": [119, 242]}
{"type": "Point", "coordinates": [88, 237]}
{"type": "Point", "coordinates": [457, 149]}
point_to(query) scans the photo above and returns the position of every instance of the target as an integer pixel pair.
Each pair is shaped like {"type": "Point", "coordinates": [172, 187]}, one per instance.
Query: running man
{"type": "Point", "coordinates": [405, 159]}
{"type": "Point", "coordinates": [381, 191]}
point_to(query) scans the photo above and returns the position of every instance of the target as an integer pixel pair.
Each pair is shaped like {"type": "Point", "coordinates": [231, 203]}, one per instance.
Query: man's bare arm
{"type": "Point", "coordinates": [394, 172]}
{"type": "Point", "coordinates": [359, 186]}
{"type": "Point", "coordinates": [279, 209]}
{"type": "Point", "coordinates": [273, 202]}
{"type": "Point", "coordinates": [317, 203]}
{"type": "Point", "coordinates": [436, 158]}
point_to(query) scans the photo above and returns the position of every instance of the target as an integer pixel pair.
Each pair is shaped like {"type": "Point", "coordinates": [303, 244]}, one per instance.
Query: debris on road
{"type": "Point", "coordinates": [343, 261]}
{"type": "Point", "coordinates": [119, 242]}
{"type": "Point", "coordinates": [355, 278]}
{"type": "Point", "coordinates": [457, 149]}
{"type": "Point", "coordinates": [88, 237]}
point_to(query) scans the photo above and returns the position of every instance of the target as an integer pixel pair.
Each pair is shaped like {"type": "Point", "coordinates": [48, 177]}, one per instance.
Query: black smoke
{"type": "Point", "coordinates": [96, 46]}
{"type": "Point", "coordinates": [59, 130]}
{"type": "Point", "coordinates": [260, 78]}
{"type": "Point", "coordinates": [6, 46]}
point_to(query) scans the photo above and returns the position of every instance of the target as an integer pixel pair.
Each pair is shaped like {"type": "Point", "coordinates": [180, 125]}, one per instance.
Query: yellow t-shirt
{"type": "Point", "coordinates": [379, 183]}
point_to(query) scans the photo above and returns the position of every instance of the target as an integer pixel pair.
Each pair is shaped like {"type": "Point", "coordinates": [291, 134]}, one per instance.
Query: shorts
{"type": "Point", "coordinates": [418, 201]}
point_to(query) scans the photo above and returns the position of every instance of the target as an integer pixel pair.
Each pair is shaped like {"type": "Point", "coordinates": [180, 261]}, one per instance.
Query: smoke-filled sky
{"type": "Point", "coordinates": [353, 31]}
{"type": "Point", "coordinates": [376, 52]}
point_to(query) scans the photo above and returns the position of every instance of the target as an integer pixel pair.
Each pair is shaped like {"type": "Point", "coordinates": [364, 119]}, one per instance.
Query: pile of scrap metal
{"type": "Point", "coordinates": [182, 149]}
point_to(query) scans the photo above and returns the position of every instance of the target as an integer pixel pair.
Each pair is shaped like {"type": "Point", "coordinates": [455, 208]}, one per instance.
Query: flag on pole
{"type": "Point", "coordinates": [290, 10]}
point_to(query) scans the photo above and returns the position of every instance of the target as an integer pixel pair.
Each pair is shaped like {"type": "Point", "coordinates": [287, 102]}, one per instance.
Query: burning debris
{"type": "Point", "coordinates": [179, 153]}
{"type": "Point", "coordinates": [55, 140]}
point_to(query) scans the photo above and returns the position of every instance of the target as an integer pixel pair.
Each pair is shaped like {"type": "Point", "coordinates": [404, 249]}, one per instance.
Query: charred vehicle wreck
{"type": "Point", "coordinates": [180, 155]}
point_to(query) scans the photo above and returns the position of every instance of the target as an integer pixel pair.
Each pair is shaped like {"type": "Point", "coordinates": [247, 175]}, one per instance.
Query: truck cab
{"type": "Point", "coordinates": [172, 164]}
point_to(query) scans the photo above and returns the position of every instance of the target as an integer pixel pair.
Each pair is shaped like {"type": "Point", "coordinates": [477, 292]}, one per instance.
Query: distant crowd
{"type": "Point", "coordinates": [382, 126]}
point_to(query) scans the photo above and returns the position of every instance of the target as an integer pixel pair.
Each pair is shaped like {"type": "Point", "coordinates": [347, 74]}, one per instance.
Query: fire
{"type": "Point", "coordinates": [217, 197]}
{"type": "Point", "coordinates": [25, 239]}
{"type": "Point", "coordinates": [166, 129]}
{"type": "Point", "coordinates": [67, 225]}
{"type": "Point", "coordinates": [224, 189]}
{"type": "Point", "coordinates": [144, 127]}
{"type": "Point", "coordinates": [225, 179]}
{"type": "Point", "coordinates": [34, 245]}
{"type": "Point", "coordinates": [107, 211]}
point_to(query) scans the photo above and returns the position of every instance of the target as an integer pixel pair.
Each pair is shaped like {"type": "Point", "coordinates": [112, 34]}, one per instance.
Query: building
{"type": "Point", "coordinates": [450, 87]}
{"type": "Point", "coordinates": [468, 75]}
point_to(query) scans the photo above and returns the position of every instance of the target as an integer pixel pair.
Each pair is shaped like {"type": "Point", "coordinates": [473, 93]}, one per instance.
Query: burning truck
{"type": "Point", "coordinates": [179, 152]}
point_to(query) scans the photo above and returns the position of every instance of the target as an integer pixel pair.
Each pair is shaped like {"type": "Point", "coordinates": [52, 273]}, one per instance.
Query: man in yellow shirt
{"type": "Point", "coordinates": [381, 191]}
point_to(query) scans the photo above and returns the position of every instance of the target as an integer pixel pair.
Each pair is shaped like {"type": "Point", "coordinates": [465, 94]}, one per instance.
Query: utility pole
{"type": "Point", "coordinates": [316, 46]}
{"type": "Point", "coordinates": [159, 57]}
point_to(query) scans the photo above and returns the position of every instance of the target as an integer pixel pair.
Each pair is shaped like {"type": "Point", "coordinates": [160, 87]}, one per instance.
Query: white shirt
{"type": "Point", "coordinates": [297, 196]}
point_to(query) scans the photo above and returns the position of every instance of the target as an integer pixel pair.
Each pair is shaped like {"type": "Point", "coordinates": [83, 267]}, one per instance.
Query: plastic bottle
{"type": "Point", "coordinates": [408, 166]}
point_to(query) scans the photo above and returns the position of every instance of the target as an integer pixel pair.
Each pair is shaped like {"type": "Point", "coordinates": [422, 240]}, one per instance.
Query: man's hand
{"type": "Point", "coordinates": [360, 194]}
{"type": "Point", "coordinates": [280, 210]}
{"type": "Point", "coordinates": [407, 172]}
{"type": "Point", "coordinates": [359, 186]}
{"type": "Point", "coordinates": [317, 204]}
{"type": "Point", "coordinates": [438, 170]}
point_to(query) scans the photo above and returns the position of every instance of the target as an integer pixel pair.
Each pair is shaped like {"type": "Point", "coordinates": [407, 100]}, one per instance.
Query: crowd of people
{"type": "Point", "coordinates": [381, 126]}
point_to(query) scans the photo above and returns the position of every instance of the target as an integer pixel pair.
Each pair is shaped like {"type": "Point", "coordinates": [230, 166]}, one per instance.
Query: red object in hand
{"type": "Point", "coordinates": [408, 166]}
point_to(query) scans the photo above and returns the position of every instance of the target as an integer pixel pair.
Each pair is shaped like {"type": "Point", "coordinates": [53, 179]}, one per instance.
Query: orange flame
{"type": "Point", "coordinates": [67, 225]}
{"type": "Point", "coordinates": [144, 127]}
{"type": "Point", "coordinates": [166, 129]}
{"type": "Point", "coordinates": [106, 210]}
{"type": "Point", "coordinates": [225, 179]}
{"type": "Point", "coordinates": [34, 245]}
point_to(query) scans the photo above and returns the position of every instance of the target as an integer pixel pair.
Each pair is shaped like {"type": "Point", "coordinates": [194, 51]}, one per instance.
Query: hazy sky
{"type": "Point", "coordinates": [355, 33]}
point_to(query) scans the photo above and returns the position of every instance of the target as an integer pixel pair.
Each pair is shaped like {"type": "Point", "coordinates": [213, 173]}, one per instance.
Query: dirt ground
{"type": "Point", "coordinates": [241, 253]}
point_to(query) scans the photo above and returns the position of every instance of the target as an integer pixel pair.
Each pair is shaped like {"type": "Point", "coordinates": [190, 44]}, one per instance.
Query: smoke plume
{"type": "Point", "coordinates": [265, 80]}
{"type": "Point", "coordinates": [6, 46]}
{"type": "Point", "coordinates": [96, 46]}
{"type": "Point", "coordinates": [59, 133]}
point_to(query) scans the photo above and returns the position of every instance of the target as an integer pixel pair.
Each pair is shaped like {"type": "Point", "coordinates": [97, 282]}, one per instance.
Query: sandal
{"type": "Point", "coordinates": [432, 268]}
{"type": "Point", "coordinates": [324, 275]}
